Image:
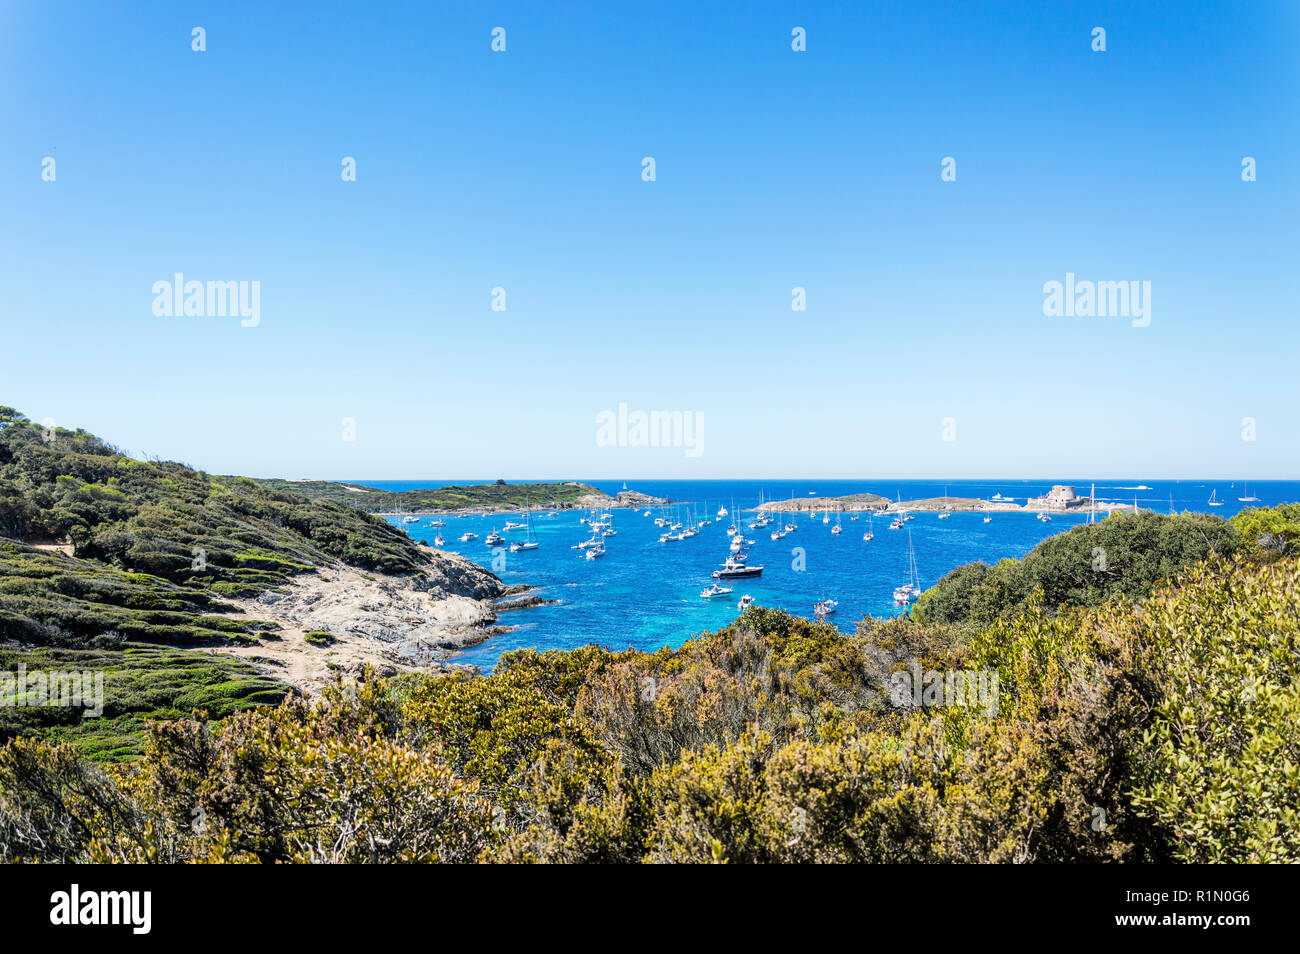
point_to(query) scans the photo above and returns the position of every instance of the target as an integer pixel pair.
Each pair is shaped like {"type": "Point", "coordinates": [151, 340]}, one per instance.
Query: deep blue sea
{"type": "Point", "coordinates": [645, 594]}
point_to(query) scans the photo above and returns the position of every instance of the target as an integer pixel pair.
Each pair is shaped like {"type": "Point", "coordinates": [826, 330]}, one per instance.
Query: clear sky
{"type": "Point", "coordinates": [774, 169]}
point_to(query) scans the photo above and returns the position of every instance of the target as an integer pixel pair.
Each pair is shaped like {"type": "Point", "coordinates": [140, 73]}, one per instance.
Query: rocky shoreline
{"type": "Point", "coordinates": [391, 623]}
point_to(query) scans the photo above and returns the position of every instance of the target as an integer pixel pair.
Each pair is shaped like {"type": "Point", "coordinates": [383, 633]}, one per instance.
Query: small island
{"type": "Point", "coordinates": [499, 497]}
{"type": "Point", "coordinates": [1062, 498]}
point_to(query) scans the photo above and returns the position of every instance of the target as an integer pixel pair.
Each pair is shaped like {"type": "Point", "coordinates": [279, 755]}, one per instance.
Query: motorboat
{"type": "Point", "coordinates": [713, 591]}
{"type": "Point", "coordinates": [734, 569]}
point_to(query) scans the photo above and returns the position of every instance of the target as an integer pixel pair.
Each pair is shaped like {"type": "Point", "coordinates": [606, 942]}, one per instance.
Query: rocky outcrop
{"type": "Point", "coordinates": [388, 622]}
{"type": "Point", "coordinates": [849, 504]}
{"type": "Point", "coordinates": [634, 498]}
{"type": "Point", "coordinates": [625, 498]}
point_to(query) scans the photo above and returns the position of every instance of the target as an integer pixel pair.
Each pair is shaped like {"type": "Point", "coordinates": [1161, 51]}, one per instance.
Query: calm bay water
{"type": "Point", "coordinates": [645, 594]}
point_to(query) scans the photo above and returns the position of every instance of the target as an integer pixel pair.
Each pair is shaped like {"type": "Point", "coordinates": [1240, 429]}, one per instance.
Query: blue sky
{"type": "Point", "coordinates": [775, 169]}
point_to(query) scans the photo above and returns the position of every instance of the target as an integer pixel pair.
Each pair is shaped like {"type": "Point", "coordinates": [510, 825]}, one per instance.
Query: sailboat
{"type": "Point", "coordinates": [529, 543]}
{"type": "Point", "coordinates": [1213, 501]}
{"type": "Point", "coordinates": [406, 518]}
{"type": "Point", "coordinates": [866, 537]}
{"type": "Point", "coordinates": [945, 514]}
{"type": "Point", "coordinates": [837, 529]}
{"type": "Point", "coordinates": [1245, 489]}
{"type": "Point", "coordinates": [912, 588]}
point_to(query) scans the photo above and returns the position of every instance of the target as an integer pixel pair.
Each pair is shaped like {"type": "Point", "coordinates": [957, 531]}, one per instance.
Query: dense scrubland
{"type": "Point", "coordinates": [1148, 674]}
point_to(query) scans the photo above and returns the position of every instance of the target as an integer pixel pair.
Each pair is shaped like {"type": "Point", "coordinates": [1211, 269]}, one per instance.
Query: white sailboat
{"type": "Point", "coordinates": [1214, 501]}
{"type": "Point", "coordinates": [1249, 497]}
{"type": "Point", "coordinates": [529, 543]}
{"type": "Point", "coordinates": [912, 588]}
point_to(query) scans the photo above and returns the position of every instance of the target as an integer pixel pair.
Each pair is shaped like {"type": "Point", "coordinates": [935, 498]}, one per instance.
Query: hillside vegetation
{"type": "Point", "coordinates": [1153, 726]}
{"type": "Point", "coordinates": [158, 550]}
{"type": "Point", "coordinates": [1125, 554]}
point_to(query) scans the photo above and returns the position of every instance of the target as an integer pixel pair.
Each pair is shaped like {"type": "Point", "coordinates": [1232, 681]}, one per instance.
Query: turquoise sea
{"type": "Point", "coordinates": [645, 594]}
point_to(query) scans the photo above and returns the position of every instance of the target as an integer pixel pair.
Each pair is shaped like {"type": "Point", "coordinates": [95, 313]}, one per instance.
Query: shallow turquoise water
{"type": "Point", "coordinates": [645, 594]}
